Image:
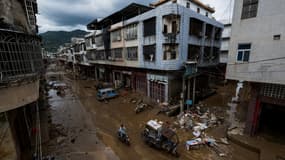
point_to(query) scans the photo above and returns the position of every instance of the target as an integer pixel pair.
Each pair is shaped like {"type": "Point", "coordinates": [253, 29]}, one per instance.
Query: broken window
{"type": "Point", "coordinates": [149, 53]}
{"type": "Point", "coordinates": [131, 32]}
{"type": "Point", "coordinates": [132, 53]}
{"type": "Point", "coordinates": [249, 9]}
{"type": "Point", "coordinates": [243, 52]}
{"type": "Point", "coordinates": [196, 27]}
{"type": "Point", "coordinates": [194, 52]}
{"type": "Point", "coordinates": [170, 52]}
{"type": "Point", "coordinates": [116, 36]}
{"type": "Point", "coordinates": [149, 27]}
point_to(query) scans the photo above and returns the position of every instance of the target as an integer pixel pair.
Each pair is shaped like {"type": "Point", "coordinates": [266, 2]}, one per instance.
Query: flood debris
{"type": "Point", "coordinates": [198, 119]}
{"type": "Point", "coordinates": [168, 109]}
{"type": "Point", "coordinates": [60, 140]}
{"type": "Point", "coordinates": [141, 106]}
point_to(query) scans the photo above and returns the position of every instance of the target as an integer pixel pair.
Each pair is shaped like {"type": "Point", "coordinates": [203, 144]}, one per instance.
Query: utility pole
{"type": "Point", "coordinates": [190, 71]}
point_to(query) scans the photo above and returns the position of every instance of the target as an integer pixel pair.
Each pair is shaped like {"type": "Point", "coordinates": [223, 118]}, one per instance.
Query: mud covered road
{"type": "Point", "coordinates": [93, 126]}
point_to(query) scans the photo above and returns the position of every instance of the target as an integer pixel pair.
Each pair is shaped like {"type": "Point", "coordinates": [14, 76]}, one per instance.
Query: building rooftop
{"type": "Point", "coordinates": [128, 12]}
{"type": "Point", "coordinates": [197, 2]}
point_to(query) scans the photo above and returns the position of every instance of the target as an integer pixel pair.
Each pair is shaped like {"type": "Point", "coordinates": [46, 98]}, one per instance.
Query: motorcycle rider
{"type": "Point", "coordinates": [122, 131]}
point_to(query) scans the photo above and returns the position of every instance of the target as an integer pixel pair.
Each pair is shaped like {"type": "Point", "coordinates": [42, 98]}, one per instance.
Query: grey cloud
{"type": "Point", "coordinates": [81, 12]}
{"type": "Point", "coordinates": [59, 14]}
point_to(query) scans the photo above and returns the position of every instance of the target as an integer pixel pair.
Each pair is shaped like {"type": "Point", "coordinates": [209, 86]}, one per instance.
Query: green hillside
{"type": "Point", "coordinates": [53, 39]}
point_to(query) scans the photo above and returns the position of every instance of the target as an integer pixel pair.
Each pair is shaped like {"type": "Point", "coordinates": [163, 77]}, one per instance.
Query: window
{"type": "Point", "coordinates": [198, 10]}
{"type": "Point", "coordinates": [196, 27]}
{"type": "Point", "coordinates": [188, 5]}
{"type": "Point", "coordinates": [207, 14]}
{"type": "Point", "coordinates": [116, 53]}
{"type": "Point", "coordinates": [99, 41]}
{"type": "Point", "coordinates": [93, 40]}
{"type": "Point", "coordinates": [149, 53]}
{"type": "Point", "coordinates": [243, 52]}
{"type": "Point", "coordinates": [249, 9]}
{"type": "Point", "coordinates": [277, 37]}
{"type": "Point", "coordinates": [132, 53]}
{"type": "Point", "coordinates": [149, 27]}
{"type": "Point", "coordinates": [100, 55]}
{"type": "Point", "coordinates": [131, 32]}
{"type": "Point", "coordinates": [116, 36]}
{"type": "Point", "coordinates": [170, 52]}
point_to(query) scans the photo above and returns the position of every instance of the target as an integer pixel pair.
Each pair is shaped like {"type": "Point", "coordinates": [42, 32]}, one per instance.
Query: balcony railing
{"type": "Point", "coordinates": [20, 56]}
{"type": "Point", "coordinates": [170, 37]}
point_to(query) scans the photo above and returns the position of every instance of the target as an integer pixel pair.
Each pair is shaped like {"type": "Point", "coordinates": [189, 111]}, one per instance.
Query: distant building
{"type": "Point", "coordinates": [148, 49]}
{"type": "Point", "coordinates": [256, 56]}
{"type": "Point", "coordinates": [225, 41]}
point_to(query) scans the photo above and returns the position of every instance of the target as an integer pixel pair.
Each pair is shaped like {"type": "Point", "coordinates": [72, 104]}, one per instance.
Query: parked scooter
{"type": "Point", "coordinates": [140, 107]}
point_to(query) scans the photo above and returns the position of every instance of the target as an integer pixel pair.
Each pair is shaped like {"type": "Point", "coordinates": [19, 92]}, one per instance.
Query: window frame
{"type": "Point", "coordinates": [116, 36]}
{"type": "Point", "coordinates": [243, 52]}
{"type": "Point", "coordinates": [248, 9]}
{"type": "Point", "coordinates": [131, 32]}
{"type": "Point", "coordinates": [131, 55]}
{"type": "Point", "coordinates": [170, 49]}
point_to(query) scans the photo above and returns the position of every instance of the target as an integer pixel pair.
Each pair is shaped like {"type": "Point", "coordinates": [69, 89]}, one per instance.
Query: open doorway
{"type": "Point", "coordinates": [272, 123]}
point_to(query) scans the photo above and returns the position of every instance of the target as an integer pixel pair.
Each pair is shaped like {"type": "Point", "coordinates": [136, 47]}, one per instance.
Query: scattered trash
{"type": "Point", "coordinates": [59, 140]}
{"type": "Point", "coordinates": [224, 141]}
{"type": "Point", "coordinates": [197, 133]}
{"type": "Point", "coordinates": [194, 144]}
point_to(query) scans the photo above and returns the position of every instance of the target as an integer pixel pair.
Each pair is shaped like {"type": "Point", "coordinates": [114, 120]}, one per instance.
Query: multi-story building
{"type": "Point", "coordinates": [145, 48]}
{"type": "Point", "coordinates": [20, 69]}
{"type": "Point", "coordinates": [226, 36]}
{"type": "Point", "coordinates": [257, 58]}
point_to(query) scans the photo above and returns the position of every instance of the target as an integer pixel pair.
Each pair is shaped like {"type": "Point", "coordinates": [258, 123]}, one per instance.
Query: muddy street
{"type": "Point", "coordinates": [72, 134]}
{"type": "Point", "coordinates": [82, 126]}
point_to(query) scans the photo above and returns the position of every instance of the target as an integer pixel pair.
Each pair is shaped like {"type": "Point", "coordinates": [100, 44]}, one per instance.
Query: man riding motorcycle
{"type": "Point", "coordinates": [122, 134]}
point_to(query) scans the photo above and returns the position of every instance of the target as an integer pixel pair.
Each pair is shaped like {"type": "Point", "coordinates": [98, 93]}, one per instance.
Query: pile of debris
{"type": "Point", "coordinates": [198, 120]}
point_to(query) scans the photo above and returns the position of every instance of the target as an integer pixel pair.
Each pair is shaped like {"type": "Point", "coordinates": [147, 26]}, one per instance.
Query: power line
{"type": "Point", "coordinates": [264, 60]}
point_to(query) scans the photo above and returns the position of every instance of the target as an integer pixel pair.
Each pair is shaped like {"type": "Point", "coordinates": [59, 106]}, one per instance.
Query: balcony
{"type": "Point", "coordinates": [170, 38]}
{"type": "Point", "coordinates": [20, 57]}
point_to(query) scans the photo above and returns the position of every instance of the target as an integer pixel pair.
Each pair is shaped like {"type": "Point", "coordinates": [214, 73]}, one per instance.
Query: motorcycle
{"type": "Point", "coordinates": [140, 107]}
{"type": "Point", "coordinates": [124, 138]}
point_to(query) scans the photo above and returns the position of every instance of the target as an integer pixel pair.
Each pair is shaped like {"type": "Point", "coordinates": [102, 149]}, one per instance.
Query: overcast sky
{"type": "Point", "coordinates": [75, 14]}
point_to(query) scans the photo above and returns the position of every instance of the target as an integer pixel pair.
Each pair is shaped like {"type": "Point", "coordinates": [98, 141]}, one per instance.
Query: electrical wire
{"type": "Point", "coordinates": [264, 60]}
